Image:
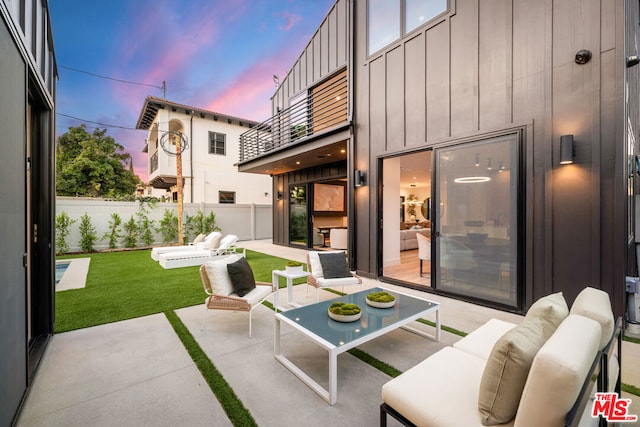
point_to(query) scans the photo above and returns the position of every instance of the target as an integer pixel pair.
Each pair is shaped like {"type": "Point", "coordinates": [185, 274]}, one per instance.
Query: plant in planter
{"type": "Point", "coordinates": [344, 312]}
{"type": "Point", "coordinates": [293, 267]}
{"type": "Point", "coordinates": [380, 299]}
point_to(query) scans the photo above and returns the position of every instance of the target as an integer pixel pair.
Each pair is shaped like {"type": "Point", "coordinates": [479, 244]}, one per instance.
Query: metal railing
{"type": "Point", "coordinates": [323, 108]}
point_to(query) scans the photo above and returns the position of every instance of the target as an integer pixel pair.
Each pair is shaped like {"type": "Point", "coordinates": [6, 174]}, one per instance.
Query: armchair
{"type": "Point", "coordinates": [319, 279]}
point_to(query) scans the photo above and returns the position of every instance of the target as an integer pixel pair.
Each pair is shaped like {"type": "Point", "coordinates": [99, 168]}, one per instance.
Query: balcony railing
{"type": "Point", "coordinates": [324, 107]}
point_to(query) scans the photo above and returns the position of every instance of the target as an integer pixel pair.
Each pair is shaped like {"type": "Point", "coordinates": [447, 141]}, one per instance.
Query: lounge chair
{"type": "Point", "coordinates": [222, 293]}
{"type": "Point", "coordinates": [318, 278]}
{"type": "Point", "coordinates": [200, 256]}
{"type": "Point", "coordinates": [211, 241]}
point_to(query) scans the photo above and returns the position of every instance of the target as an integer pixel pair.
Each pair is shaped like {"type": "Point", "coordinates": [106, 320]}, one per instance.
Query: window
{"type": "Point", "coordinates": [389, 19]}
{"type": "Point", "coordinates": [217, 143]}
{"type": "Point", "coordinates": [226, 196]}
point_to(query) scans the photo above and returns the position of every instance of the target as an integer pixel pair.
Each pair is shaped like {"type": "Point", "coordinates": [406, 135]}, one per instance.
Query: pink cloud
{"type": "Point", "coordinates": [290, 19]}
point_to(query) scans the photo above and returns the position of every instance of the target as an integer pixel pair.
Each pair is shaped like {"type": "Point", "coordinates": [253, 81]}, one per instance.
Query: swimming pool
{"type": "Point", "coordinates": [61, 267]}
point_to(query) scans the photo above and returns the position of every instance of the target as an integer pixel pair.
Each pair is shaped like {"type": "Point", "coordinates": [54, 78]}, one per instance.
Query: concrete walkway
{"type": "Point", "coordinates": [137, 372]}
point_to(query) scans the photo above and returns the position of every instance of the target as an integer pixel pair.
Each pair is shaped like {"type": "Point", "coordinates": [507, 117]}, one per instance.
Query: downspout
{"type": "Point", "coordinates": [191, 154]}
{"type": "Point", "coordinates": [351, 213]}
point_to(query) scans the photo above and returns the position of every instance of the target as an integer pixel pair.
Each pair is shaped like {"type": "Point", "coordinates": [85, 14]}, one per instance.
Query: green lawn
{"type": "Point", "coordinates": [125, 285]}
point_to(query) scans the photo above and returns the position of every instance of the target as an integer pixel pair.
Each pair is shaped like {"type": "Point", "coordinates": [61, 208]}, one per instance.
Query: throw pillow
{"type": "Point", "coordinates": [506, 371]}
{"type": "Point", "coordinates": [334, 265]}
{"type": "Point", "coordinates": [241, 276]}
{"type": "Point", "coordinates": [219, 276]}
{"type": "Point", "coordinates": [215, 242]}
{"type": "Point", "coordinates": [199, 238]}
{"type": "Point", "coordinates": [551, 310]}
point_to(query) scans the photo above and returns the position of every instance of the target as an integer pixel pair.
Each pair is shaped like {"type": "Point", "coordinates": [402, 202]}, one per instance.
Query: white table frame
{"type": "Point", "coordinates": [331, 395]}
{"type": "Point", "coordinates": [289, 276]}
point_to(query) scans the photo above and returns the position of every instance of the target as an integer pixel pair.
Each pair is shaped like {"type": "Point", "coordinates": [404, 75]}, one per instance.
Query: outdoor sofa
{"type": "Point", "coordinates": [542, 372]}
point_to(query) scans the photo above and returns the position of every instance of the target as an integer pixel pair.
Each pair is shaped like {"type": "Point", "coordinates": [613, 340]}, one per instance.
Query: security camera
{"type": "Point", "coordinates": [632, 60]}
{"type": "Point", "coordinates": [583, 56]}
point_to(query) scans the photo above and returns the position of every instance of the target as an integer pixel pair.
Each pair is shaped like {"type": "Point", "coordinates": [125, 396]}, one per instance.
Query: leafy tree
{"type": "Point", "coordinates": [88, 234]}
{"type": "Point", "coordinates": [92, 165]}
{"type": "Point", "coordinates": [63, 228]}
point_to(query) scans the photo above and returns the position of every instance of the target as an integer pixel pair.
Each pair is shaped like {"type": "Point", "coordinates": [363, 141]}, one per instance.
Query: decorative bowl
{"type": "Point", "coordinates": [344, 312]}
{"type": "Point", "coordinates": [380, 300]}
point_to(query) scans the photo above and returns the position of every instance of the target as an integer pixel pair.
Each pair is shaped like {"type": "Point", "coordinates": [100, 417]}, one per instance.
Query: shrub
{"type": "Point", "coordinates": [63, 228]}
{"type": "Point", "coordinates": [145, 225]}
{"type": "Point", "coordinates": [88, 235]}
{"type": "Point", "coordinates": [201, 224]}
{"type": "Point", "coordinates": [114, 231]}
{"type": "Point", "coordinates": [131, 233]}
{"type": "Point", "coordinates": [169, 226]}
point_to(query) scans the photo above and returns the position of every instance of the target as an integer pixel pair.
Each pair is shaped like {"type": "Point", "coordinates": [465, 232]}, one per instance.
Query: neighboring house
{"type": "Point", "coordinates": [208, 162]}
{"type": "Point", "coordinates": [28, 74]}
{"type": "Point", "coordinates": [472, 107]}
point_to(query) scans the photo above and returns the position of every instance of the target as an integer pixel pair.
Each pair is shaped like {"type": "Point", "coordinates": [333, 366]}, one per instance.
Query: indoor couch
{"type": "Point", "coordinates": [539, 373]}
{"type": "Point", "coordinates": [408, 239]}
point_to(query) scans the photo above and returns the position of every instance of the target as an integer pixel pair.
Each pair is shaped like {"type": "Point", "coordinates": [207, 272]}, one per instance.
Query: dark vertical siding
{"type": "Point", "coordinates": [504, 64]}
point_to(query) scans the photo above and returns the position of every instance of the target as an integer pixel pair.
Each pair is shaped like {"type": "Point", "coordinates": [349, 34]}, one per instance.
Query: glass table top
{"type": "Point", "coordinates": [314, 318]}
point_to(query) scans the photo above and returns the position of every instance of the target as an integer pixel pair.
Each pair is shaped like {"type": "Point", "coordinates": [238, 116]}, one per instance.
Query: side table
{"type": "Point", "coordinates": [289, 276]}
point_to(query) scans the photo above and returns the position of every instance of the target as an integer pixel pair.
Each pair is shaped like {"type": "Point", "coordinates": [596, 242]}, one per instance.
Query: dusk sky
{"type": "Point", "coordinates": [218, 55]}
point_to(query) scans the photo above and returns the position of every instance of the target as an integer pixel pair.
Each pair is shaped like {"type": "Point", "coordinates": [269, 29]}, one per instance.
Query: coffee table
{"type": "Point", "coordinates": [336, 337]}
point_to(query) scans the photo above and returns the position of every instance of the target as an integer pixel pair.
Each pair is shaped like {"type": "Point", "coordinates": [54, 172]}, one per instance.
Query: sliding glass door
{"type": "Point", "coordinates": [476, 219]}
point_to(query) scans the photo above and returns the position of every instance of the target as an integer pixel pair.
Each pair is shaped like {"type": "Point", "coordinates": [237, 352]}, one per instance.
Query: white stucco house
{"type": "Point", "coordinates": [209, 168]}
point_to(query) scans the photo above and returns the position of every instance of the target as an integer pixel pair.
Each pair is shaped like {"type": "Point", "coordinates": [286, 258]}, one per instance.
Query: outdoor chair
{"type": "Point", "coordinates": [329, 269]}
{"type": "Point", "coordinates": [424, 250]}
{"type": "Point", "coordinates": [232, 289]}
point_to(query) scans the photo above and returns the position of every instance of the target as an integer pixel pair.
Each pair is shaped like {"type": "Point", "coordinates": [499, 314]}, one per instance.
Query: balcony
{"type": "Point", "coordinates": [322, 109]}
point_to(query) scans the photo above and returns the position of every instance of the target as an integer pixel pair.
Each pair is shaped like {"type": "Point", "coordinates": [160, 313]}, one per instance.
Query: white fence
{"type": "Point", "coordinates": [248, 222]}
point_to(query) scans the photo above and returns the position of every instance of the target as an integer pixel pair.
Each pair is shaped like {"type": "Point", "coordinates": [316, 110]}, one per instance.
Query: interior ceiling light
{"type": "Point", "coordinates": [471, 179]}
{"type": "Point", "coordinates": [489, 166]}
{"type": "Point", "coordinates": [343, 151]}
{"type": "Point", "coordinates": [477, 159]}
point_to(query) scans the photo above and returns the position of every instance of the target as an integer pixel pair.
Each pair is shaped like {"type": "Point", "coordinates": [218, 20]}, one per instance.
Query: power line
{"type": "Point", "coordinates": [97, 123]}
{"type": "Point", "coordinates": [109, 78]}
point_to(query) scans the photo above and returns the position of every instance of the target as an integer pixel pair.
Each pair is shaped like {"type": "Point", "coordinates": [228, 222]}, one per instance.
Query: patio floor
{"type": "Point", "coordinates": [137, 372]}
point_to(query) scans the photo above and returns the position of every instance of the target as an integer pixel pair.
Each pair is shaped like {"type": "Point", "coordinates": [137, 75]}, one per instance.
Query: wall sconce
{"type": "Point", "coordinates": [566, 149]}
{"type": "Point", "coordinates": [358, 178]}
{"type": "Point", "coordinates": [633, 60]}
{"type": "Point", "coordinates": [279, 195]}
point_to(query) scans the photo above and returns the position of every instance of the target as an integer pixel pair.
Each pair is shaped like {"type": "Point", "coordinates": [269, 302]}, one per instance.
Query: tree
{"type": "Point", "coordinates": [93, 165]}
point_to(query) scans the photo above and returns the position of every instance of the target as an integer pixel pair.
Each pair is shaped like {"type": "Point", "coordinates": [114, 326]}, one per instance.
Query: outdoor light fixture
{"type": "Point", "coordinates": [566, 149]}
{"type": "Point", "coordinates": [583, 56]}
{"type": "Point", "coordinates": [279, 195]}
{"type": "Point", "coordinates": [358, 178]}
{"type": "Point", "coordinates": [632, 60]}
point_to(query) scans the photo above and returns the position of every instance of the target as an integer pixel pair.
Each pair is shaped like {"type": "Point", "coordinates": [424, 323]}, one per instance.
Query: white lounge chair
{"type": "Point", "coordinates": [200, 256]}
{"type": "Point", "coordinates": [211, 241]}
{"type": "Point", "coordinates": [318, 278]}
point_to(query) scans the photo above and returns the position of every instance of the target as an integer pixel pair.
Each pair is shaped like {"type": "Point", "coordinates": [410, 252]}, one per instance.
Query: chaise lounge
{"type": "Point", "coordinates": [200, 256]}
{"type": "Point", "coordinates": [201, 242]}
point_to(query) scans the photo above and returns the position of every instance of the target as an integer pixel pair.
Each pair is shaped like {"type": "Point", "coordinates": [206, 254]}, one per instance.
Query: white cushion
{"type": "Point", "coordinates": [595, 304]}
{"type": "Point", "coordinates": [219, 276]}
{"type": "Point", "coordinates": [341, 281]}
{"type": "Point", "coordinates": [481, 341]}
{"type": "Point", "coordinates": [184, 254]}
{"type": "Point", "coordinates": [558, 373]}
{"type": "Point", "coordinates": [314, 261]}
{"type": "Point", "coordinates": [199, 238]}
{"type": "Point", "coordinates": [551, 310]}
{"type": "Point", "coordinates": [439, 391]}
{"type": "Point", "coordinates": [256, 295]}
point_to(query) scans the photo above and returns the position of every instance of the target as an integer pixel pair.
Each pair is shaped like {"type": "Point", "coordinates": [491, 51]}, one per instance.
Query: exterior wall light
{"type": "Point", "coordinates": [359, 178]}
{"type": "Point", "coordinates": [566, 149]}
{"type": "Point", "coordinates": [279, 195]}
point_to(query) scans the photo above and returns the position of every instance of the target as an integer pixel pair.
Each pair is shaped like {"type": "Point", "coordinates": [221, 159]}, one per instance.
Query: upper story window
{"type": "Point", "coordinates": [217, 143]}
{"type": "Point", "coordinates": [226, 196]}
{"type": "Point", "coordinates": [391, 19]}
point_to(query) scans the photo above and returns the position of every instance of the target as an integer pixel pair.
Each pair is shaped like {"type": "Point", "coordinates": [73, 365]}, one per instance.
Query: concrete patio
{"type": "Point", "coordinates": [137, 372]}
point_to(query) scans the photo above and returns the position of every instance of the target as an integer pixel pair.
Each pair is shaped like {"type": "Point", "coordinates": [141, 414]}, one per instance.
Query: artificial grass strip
{"type": "Point", "coordinates": [631, 389]}
{"type": "Point", "coordinates": [376, 363]}
{"type": "Point", "coordinates": [233, 407]}
{"type": "Point", "coordinates": [443, 327]}
{"type": "Point", "coordinates": [631, 339]}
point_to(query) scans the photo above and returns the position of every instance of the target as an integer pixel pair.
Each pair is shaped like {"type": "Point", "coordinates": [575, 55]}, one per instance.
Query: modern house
{"type": "Point", "coordinates": [28, 74]}
{"type": "Point", "coordinates": [208, 161]}
{"type": "Point", "coordinates": [508, 126]}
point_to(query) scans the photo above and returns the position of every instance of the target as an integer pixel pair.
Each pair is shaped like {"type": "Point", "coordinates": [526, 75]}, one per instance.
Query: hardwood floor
{"type": "Point", "coordinates": [409, 269]}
